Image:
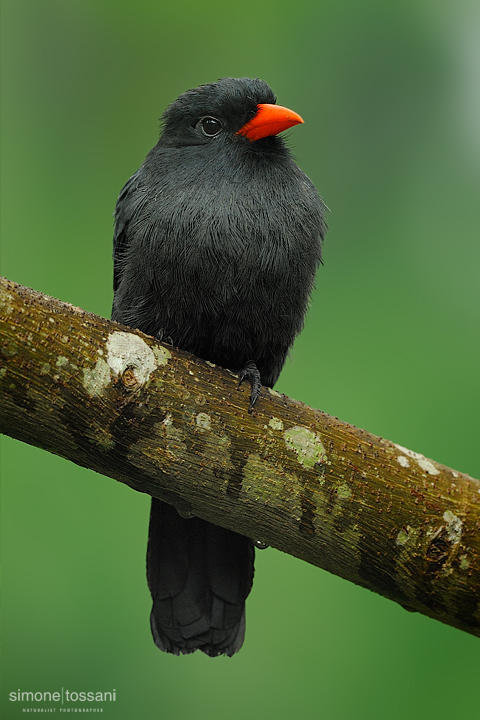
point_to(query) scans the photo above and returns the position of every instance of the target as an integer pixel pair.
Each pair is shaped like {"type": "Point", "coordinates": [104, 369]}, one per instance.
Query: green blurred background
{"type": "Point", "coordinates": [390, 95]}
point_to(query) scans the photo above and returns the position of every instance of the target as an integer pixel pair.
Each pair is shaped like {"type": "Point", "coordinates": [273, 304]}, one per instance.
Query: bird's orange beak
{"type": "Point", "coordinates": [269, 120]}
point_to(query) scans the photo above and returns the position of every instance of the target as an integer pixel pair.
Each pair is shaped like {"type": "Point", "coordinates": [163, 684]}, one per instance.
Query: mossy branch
{"type": "Point", "coordinates": [168, 424]}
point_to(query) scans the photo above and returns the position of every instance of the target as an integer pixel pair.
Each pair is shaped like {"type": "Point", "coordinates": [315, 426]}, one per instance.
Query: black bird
{"type": "Point", "coordinates": [217, 240]}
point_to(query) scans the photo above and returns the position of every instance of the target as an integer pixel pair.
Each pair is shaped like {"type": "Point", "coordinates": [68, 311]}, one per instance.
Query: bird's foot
{"type": "Point", "coordinates": [160, 335]}
{"type": "Point", "coordinates": [250, 373]}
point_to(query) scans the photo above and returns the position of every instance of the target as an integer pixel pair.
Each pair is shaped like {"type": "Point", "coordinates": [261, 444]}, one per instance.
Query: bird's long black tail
{"type": "Point", "coordinates": [199, 576]}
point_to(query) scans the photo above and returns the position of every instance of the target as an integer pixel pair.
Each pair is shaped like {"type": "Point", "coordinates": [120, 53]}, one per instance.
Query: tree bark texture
{"type": "Point", "coordinates": [168, 424]}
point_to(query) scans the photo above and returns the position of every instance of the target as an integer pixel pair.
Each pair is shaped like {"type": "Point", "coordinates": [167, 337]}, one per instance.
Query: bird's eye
{"type": "Point", "coordinates": [210, 126]}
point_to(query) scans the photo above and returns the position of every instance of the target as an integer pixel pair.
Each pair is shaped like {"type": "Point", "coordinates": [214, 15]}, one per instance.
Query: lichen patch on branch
{"type": "Point", "coordinates": [424, 463]}
{"type": "Point", "coordinates": [96, 379]}
{"type": "Point", "coordinates": [126, 350]}
{"type": "Point", "coordinates": [267, 483]}
{"type": "Point", "coordinates": [126, 353]}
{"type": "Point", "coordinates": [406, 535]}
{"type": "Point", "coordinates": [307, 445]}
{"type": "Point", "coordinates": [454, 526]}
{"type": "Point", "coordinates": [6, 303]}
{"type": "Point", "coordinates": [203, 421]}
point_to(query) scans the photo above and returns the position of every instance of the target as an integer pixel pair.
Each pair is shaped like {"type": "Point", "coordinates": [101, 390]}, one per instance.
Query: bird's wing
{"type": "Point", "coordinates": [120, 235]}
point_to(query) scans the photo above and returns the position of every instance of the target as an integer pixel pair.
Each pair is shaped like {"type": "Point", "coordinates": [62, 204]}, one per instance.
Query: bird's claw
{"type": "Point", "coordinates": [160, 335]}
{"type": "Point", "coordinates": [250, 372]}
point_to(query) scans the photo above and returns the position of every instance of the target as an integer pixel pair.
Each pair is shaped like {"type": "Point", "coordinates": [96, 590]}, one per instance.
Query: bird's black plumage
{"type": "Point", "coordinates": [217, 241]}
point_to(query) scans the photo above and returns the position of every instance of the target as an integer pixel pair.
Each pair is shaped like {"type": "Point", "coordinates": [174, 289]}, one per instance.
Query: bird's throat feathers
{"type": "Point", "coordinates": [243, 207]}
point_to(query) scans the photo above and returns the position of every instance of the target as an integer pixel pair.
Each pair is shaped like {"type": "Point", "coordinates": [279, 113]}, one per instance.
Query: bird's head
{"type": "Point", "coordinates": [240, 108]}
